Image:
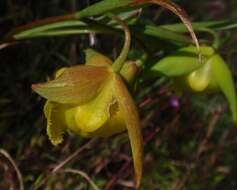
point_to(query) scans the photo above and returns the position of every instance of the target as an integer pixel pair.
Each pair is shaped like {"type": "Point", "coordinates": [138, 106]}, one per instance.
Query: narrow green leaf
{"type": "Point", "coordinates": [162, 33]}
{"type": "Point", "coordinates": [102, 7]}
{"type": "Point", "coordinates": [181, 28]}
{"type": "Point", "coordinates": [182, 62]}
{"type": "Point", "coordinates": [68, 31]}
{"type": "Point", "coordinates": [206, 51]}
{"type": "Point", "coordinates": [58, 25]}
{"type": "Point", "coordinates": [176, 65]}
{"type": "Point", "coordinates": [228, 26]}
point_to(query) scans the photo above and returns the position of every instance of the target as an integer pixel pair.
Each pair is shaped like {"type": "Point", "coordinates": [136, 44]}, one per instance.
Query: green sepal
{"type": "Point", "coordinates": [223, 77]}
{"type": "Point", "coordinates": [133, 124]}
{"type": "Point", "coordinates": [76, 85]}
{"type": "Point", "coordinates": [129, 70]}
{"type": "Point", "coordinates": [175, 65]}
{"type": "Point", "coordinates": [182, 62]}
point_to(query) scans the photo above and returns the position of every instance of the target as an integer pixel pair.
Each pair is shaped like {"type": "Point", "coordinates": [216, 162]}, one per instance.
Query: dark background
{"type": "Point", "coordinates": [193, 147]}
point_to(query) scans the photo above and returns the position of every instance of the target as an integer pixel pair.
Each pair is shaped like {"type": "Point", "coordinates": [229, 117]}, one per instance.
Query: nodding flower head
{"type": "Point", "coordinates": [210, 74]}
{"type": "Point", "coordinates": [93, 101]}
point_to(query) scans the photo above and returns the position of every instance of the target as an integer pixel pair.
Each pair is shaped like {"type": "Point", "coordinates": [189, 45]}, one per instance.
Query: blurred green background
{"type": "Point", "coordinates": [191, 147]}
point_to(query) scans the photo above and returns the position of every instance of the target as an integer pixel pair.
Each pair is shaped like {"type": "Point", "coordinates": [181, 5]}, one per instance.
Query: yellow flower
{"type": "Point", "coordinates": [213, 75]}
{"type": "Point", "coordinates": [210, 75]}
{"type": "Point", "coordinates": [91, 100]}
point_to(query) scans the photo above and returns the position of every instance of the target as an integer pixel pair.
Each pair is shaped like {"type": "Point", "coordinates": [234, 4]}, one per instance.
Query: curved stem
{"type": "Point", "coordinates": [180, 13]}
{"type": "Point", "coordinates": [173, 7]}
{"type": "Point", "coordinates": [216, 39]}
{"type": "Point", "coordinates": [18, 173]}
{"type": "Point", "coordinates": [119, 62]}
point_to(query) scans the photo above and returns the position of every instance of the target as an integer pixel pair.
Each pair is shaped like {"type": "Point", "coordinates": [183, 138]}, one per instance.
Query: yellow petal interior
{"type": "Point", "coordinates": [114, 125]}
{"type": "Point", "coordinates": [55, 122]}
{"type": "Point", "coordinates": [94, 114]}
{"type": "Point", "coordinates": [199, 80]}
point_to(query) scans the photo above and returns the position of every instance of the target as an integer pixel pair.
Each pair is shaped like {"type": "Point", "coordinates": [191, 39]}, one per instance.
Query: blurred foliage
{"type": "Point", "coordinates": [190, 146]}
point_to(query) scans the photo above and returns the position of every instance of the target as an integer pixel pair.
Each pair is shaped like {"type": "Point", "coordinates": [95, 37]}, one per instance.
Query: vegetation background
{"type": "Point", "coordinates": [192, 146]}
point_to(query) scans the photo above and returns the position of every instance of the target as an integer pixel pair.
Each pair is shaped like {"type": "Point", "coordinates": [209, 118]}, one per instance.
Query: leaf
{"type": "Point", "coordinates": [223, 77]}
{"type": "Point", "coordinates": [65, 31]}
{"type": "Point", "coordinates": [181, 62]}
{"type": "Point", "coordinates": [177, 11]}
{"type": "Point", "coordinates": [38, 29]}
{"type": "Point", "coordinates": [176, 65]}
{"type": "Point", "coordinates": [162, 33]}
{"type": "Point", "coordinates": [76, 85]}
{"type": "Point", "coordinates": [192, 50]}
{"type": "Point", "coordinates": [181, 28]}
{"type": "Point", "coordinates": [102, 7]}
{"type": "Point", "coordinates": [130, 114]}
{"type": "Point", "coordinates": [42, 27]}
{"type": "Point", "coordinates": [108, 5]}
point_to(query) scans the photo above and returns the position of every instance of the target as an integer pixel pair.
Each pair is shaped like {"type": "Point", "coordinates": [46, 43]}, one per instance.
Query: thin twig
{"type": "Point", "coordinates": [7, 44]}
{"type": "Point", "coordinates": [114, 179]}
{"type": "Point", "coordinates": [4, 45]}
{"type": "Point", "coordinates": [72, 156]}
{"type": "Point", "coordinates": [19, 176]}
{"type": "Point", "coordinates": [84, 175]}
{"type": "Point", "coordinates": [200, 149]}
{"type": "Point", "coordinates": [64, 162]}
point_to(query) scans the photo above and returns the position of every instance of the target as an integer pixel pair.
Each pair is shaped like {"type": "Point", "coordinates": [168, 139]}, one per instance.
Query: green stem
{"type": "Point", "coordinates": [216, 39]}
{"type": "Point", "coordinates": [119, 62]}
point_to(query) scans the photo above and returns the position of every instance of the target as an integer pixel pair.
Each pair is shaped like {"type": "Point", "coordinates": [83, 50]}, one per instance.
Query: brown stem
{"type": "Point", "coordinates": [177, 11]}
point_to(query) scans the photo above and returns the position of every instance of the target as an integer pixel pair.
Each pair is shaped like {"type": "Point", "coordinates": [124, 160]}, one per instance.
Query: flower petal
{"type": "Point", "coordinates": [96, 59]}
{"type": "Point", "coordinates": [200, 79]}
{"type": "Point", "coordinates": [182, 62]}
{"type": "Point", "coordinates": [94, 114]}
{"type": "Point", "coordinates": [223, 77]}
{"type": "Point", "coordinates": [55, 123]}
{"type": "Point", "coordinates": [76, 85]}
{"type": "Point", "coordinates": [131, 117]}
{"type": "Point", "coordinates": [114, 125]}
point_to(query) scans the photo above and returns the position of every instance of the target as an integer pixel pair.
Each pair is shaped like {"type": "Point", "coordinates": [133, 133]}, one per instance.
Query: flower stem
{"type": "Point", "coordinates": [119, 62]}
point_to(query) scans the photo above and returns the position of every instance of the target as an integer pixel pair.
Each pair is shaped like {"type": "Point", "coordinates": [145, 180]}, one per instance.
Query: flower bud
{"type": "Point", "coordinates": [129, 71]}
